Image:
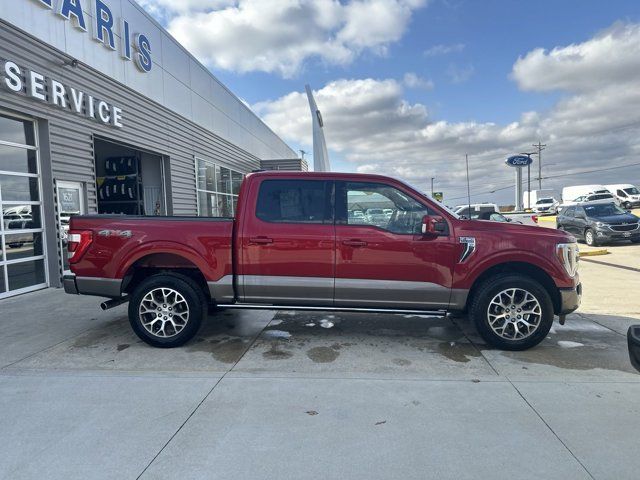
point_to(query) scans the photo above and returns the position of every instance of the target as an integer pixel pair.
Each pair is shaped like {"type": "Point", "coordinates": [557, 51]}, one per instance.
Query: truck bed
{"type": "Point", "coordinates": [120, 242]}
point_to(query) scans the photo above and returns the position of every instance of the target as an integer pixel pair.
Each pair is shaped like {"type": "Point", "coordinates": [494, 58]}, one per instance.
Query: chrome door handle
{"type": "Point", "coordinates": [260, 240]}
{"type": "Point", "coordinates": [355, 243]}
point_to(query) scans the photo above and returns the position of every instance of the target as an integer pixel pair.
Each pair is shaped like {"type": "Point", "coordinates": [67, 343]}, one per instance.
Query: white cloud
{"type": "Point", "coordinates": [368, 122]}
{"type": "Point", "coordinates": [611, 57]}
{"type": "Point", "coordinates": [444, 49]}
{"type": "Point", "coordinates": [280, 35]}
{"type": "Point", "coordinates": [460, 74]}
{"type": "Point", "coordinates": [411, 80]}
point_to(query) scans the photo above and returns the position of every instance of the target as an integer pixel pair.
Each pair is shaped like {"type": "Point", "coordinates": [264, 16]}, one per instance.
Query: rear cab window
{"type": "Point", "coordinates": [295, 201]}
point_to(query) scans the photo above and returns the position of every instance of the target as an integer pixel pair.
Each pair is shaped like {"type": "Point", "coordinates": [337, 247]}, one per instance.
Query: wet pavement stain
{"type": "Point", "coordinates": [322, 354]}
{"type": "Point", "coordinates": [457, 352]}
{"type": "Point", "coordinates": [274, 353]}
{"type": "Point", "coordinates": [226, 349]}
{"type": "Point", "coordinates": [599, 348]}
{"type": "Point", "coordinates": [402, 362]}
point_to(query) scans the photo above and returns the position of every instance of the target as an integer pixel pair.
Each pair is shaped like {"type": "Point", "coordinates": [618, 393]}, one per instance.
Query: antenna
{"type": "Point", "coordinates": [466, 158]}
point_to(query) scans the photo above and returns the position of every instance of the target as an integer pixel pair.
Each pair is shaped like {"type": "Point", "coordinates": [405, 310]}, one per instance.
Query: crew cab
{"type": "Point", "coordinates": [295, 245]}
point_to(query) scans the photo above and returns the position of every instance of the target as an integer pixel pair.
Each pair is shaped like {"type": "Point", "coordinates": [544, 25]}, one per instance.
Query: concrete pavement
{"type": "Point", "coordinates": [312, 395]}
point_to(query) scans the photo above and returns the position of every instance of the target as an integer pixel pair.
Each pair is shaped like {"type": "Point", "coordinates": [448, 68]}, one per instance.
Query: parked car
{"type": "Point", "coordinates": [628, 195]}
{"type": "Point", "coordinates": [546, 206]}
{"type": "Point", "coordinates": [535, 195]}
{"type": "Point", "coordinates": [357, 216]}
{"type": "Point", "coordinates": [591, 199]}
{"type": "Point", "coordinates": [292, 245]}
{"type": "Point", "coordinates": [478, 210]}
{"type": "Point", "coordinates": [376, 216]}
{"type": "Point", "coordinates": [574, 191]}
{"type": "Point", "coordinates": [599, 223]}
{"type": "Point", "coordinates": [496, 217]}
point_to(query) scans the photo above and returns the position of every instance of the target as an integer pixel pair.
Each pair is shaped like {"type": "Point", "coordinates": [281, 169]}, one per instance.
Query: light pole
{"type": "Point", "coordinates": [432, 179]}
{"type": "Point", "coordinates": [540, 146]}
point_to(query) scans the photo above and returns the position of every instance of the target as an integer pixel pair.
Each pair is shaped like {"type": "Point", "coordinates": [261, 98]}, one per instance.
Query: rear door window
{"type": "Point", "coordinates": [295, 201]}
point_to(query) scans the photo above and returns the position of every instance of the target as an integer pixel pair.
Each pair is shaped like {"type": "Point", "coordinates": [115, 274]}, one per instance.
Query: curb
{"type": "Point", "coordinates": [594, 253]}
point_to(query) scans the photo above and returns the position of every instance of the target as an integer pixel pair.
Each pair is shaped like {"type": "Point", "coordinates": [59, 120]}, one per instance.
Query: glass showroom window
{"type": "Point", "coordinates": [22, 265]}
{"type": "Point", "coordinates": [218, 189]}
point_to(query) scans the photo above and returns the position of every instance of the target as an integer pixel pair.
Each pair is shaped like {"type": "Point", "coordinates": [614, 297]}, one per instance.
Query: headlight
{"type": "Point", "coordinates": [568, 254]}
{"type": "Point", "coordinates": [600, 224]}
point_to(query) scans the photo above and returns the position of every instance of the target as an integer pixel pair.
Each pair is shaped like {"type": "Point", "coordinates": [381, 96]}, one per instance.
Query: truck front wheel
{"type": "Point", "coordinates": [512, 312]}
{"type": "Point", "coordinates": [166, 310]}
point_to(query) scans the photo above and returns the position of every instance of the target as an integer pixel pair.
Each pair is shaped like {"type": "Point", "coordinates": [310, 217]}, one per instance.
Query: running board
{"type": "Point", "coordinates": [258, 306]}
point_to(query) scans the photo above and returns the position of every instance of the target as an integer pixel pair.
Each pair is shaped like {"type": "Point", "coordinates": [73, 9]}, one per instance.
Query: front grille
{"type": "Point", "coordinates": [624, 227]}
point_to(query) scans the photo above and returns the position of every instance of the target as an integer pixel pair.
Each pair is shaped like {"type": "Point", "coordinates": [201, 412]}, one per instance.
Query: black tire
{"type": "Point", "coordinates": [590, 237]}
{"type": "Point", "coordinates": [190, 296]}
{"type": "Point", "coordinates": [483, 300]}
{"type": "Point", "coordinates": [627, 205]}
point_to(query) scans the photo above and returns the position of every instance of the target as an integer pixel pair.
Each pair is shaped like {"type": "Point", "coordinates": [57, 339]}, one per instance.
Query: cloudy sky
{"type": "Point", "coordinates": [407, 87]}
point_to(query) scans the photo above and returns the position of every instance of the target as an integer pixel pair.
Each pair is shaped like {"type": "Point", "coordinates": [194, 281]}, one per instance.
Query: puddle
{"type": "Point", "coordinates": [323, 354]}
{"type": "Point", "coordinates": [275, 353]}
{"type": "Point", "coordinates": [461, 353]}
{"type": "Point", "coordinates": [226, 349]}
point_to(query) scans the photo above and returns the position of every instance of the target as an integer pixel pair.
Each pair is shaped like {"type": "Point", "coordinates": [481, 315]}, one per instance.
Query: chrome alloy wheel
{"type": "Point", "coordinates": [164, 312]}
{"type": "Point", "coordinates": [514, 314]}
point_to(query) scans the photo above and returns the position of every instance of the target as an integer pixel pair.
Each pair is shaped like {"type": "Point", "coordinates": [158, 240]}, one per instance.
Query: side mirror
{"type": "Point", "coordinates": [633, 339]}
{"type": "Point", "coordinates": [434, 226]}
{"type": "Point", "coordinates": [428, 225]}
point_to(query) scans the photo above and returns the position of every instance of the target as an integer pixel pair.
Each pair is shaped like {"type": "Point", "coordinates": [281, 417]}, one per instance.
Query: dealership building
{"type": "Point", "coordinates": [102, 111]}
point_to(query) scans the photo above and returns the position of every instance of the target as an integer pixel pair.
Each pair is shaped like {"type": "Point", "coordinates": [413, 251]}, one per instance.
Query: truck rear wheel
{"type": "Point", "coordinates": [166, 310]}
{"type": "Point", "coordinates": [512, 312]}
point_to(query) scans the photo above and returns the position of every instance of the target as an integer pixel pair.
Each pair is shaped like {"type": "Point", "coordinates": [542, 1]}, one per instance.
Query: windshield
{"type": "Point", "coordinates": [545, 200]}
{"type": "Point", "coordinates": [601, 196]}
{"type": "Point", "coordinates": [603, 210]}
{"type": "Point", "coordinates": [631, 191]}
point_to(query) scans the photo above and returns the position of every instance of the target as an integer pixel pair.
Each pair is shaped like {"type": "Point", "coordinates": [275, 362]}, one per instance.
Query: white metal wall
{"type": "Point", "coordinates": [177, 80]}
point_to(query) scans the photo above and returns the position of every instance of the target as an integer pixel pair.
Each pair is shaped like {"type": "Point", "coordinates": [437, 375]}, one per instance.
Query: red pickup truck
{"type": "Point", "coordinates": [326, 241]}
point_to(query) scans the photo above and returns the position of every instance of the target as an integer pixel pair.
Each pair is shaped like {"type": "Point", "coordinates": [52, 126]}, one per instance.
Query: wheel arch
{"type": "Point", "coordinates": [524, 268]}
{"type": "Point", "coordinates": [162, 262]}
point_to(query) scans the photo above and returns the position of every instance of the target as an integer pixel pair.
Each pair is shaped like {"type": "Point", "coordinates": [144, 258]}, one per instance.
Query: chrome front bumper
{"type": "Point", "coordinates": [570, 299]}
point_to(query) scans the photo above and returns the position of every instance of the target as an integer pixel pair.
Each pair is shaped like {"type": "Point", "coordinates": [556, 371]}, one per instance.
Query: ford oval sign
{"type": "Point", "coordinates": [518, 161]}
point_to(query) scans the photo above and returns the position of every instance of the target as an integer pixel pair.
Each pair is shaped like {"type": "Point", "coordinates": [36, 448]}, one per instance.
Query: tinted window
{"type": "Point", "coordinates": [569, 211]}
{"type": "Point", "coordinates": [294, 201]}
{"type": "Point", "coordinates": [384, 207]}
{"type": "Point", "coordinates": [604, 210]}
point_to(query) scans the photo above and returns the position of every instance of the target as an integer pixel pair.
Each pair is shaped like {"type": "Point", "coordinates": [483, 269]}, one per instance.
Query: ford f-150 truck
{"type": "Point", "coordinates": [296, 243]}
